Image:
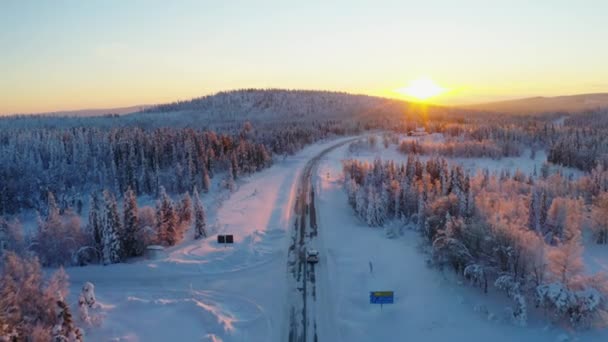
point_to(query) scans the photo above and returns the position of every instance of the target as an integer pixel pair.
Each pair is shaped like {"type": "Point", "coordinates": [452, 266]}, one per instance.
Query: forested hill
{"type": "Point", "coordinates": [292, 105]}
{"type": "Point", "coordinates": [260, 106]}
{"type": "Point", "coordinates": [270, 103]}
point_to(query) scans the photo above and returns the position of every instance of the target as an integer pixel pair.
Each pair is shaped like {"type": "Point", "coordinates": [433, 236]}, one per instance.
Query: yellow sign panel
{"type": "Point", "coordinates": [383, 293]}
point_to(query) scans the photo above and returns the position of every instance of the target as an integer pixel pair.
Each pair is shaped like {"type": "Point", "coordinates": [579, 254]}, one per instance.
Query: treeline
{"type": "Point", "coordinates": [581, 147]}
{"type": "Point", "coordinates": [112, 234]}
{"type": "Point", "coordinates": [73, 162]}
{"type": "Point", "coordinates": [465, 149]}
{"type": "Point", "coordinates": [518, 232]}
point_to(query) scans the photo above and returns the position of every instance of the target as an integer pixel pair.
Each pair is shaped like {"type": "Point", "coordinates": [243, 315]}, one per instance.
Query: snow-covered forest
{"type": "Point", "coordinates": [91, 191]}
{"type": "Point", "coordinates": [521, 233]}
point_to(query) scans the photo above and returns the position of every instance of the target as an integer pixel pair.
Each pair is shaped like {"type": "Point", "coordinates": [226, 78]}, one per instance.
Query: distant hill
{"type": "Point", "coordinates": [535, 105]}
{"type": "Point", "coordinates": [273, 104]}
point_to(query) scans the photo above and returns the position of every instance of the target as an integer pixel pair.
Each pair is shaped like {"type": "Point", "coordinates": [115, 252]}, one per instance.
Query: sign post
{"type": "Point", "coordinates": [381, 297]}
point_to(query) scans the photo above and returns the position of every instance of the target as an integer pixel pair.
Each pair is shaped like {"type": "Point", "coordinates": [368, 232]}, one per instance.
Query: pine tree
{"type": "Point", "coordinates": [130, 224]}
{"type": "Point", "coordinates": [166, 219]}
{"type": "Point", "coordinates": [111, 250]}
{"type": "Point", "coordinates": [206, 180]}
{"type": "Point", "coordinates": [229, 182]}
{"type": "Point", "coordinates": [95, 220]}
{"type": "Point", "coordinates": [200, 224]}
{"type": "Point", "coordinates": [53, 210]}
{"type": "Point", "coordinates": [184, 215]}
{"type": "Point", "coordinates": [234, 166]}
{"type": "Point", "coordinates": [185, 210]}
{"type": "Point", "coordinates": [533, 216]}
{"type": "Point", "coordinates": [421, 215]}
{"type": "Point", "coordinates": [544, 209]}
{"type": "Point", "coordinates": [361, 205]}
{"type": "Point", "coordinates": [566, 262]}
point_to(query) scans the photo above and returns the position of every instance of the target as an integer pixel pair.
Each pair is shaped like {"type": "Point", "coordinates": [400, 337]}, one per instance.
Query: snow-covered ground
{"type": "Point", "coordinates": [202, 291]}
{"type": "Point", "coordinates": [429, 305]}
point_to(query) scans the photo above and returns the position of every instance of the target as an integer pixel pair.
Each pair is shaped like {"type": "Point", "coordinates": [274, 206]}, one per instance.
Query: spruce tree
{"type": "Point", "coordinates": [229, 182]}
{"type": "Point", "coordinates": [53, 209]}
{"type": "Point", "coordinates": [95, 220]}
{"type": "Point", "coordinates": [200, 224]}
{"type": "Point", "coordinates": [185, 210]}
{"type": "Point", "coordinates": [111, 251]}
{"type": "Point", "coordinates": [166, 219]}
{"type": "Point", "coordinates": [206, 180]}
{"type": "Point", "coordinates": [533, 217]}
{"type": "Point", "coordinates": [130, 222]}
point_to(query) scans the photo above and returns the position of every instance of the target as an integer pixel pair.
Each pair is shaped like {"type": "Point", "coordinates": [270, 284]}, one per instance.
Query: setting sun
{"type": "Point", "coordinates": [422, 89]}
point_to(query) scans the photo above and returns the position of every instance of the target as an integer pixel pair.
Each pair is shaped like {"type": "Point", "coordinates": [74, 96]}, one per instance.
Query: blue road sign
{"type": "Point", "coordinates": [381, 297]}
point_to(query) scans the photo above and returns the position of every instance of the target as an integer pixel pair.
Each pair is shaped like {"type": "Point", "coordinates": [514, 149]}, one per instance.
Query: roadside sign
{"type": "Point", "coordinates": [225, 239]}
{"type": "Point", "coordinates": [381, 297]}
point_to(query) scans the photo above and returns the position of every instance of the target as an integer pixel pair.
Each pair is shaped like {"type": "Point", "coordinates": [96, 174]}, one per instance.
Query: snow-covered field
{"type": "Point", "coordinates": [202, 291]}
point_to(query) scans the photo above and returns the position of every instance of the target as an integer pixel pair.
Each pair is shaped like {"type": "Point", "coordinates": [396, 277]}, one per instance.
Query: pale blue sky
{"type": "Point", "coordinates": [77, 54]}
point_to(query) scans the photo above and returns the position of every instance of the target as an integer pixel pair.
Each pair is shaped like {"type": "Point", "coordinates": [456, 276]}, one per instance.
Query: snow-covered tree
{"type": "Point", "coordinates": [166, 219]}
{"type": "Point", "coordinates": [566, 262]}
{"type": "Point", "coordinates": [130, 224]}
{"type": "Point", "coordinates": [229, 180]}
{"type": "Point", "coordinates": [95, 220]}
{"type": "Point", "coordinates": [112, 251]}
{"type": "Point", "coordinates": [534, 212]}
{"type": "Point", "coordinates": [206, 180]}
{"type": "Point", "coordinates": [564, 218]}
{"type": "Point", "coordinates": [86, 301]}
{"type": "Point", "coordinates": [184, 210]}
{"type": "Point", "coordinates": [200, 219]}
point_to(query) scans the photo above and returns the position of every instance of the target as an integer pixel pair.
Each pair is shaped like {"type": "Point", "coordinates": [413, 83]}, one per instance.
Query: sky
{"type": "Point", "coordinates": [60, 55]}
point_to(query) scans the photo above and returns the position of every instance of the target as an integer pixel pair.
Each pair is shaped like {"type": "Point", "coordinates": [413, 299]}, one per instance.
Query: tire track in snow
{"type": "Point", "coordinates": [301, 277]}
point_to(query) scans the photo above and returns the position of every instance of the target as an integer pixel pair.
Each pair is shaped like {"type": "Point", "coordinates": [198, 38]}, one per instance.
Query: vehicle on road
{"type": "Point", "coordinates": [312, 256]}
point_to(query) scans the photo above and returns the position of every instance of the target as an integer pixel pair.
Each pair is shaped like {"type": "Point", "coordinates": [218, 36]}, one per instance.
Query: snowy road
{"type": "Point", "coordinates": [302, 322]}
